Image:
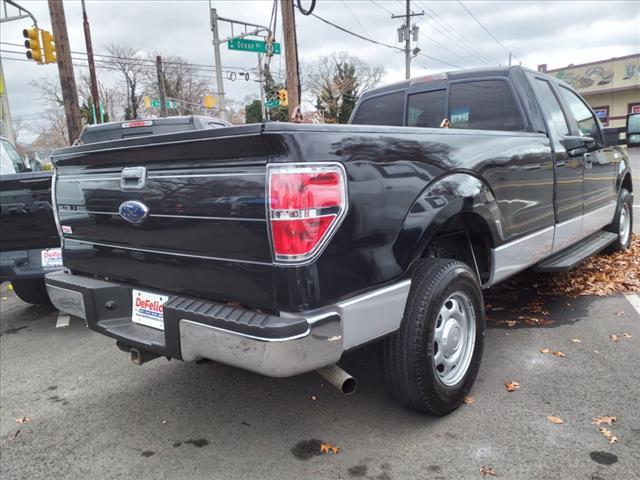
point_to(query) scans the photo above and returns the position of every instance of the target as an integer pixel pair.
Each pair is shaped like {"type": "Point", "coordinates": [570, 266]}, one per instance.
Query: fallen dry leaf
{"type": "Point", "coordinates": [608, 434]}
{"type": "Point", "coordinates": [545, 350]}
{"type": "Point", "coordinates": [626, 335]}
{"type": "Point", "coordinates": [556, 420]}
{"type": "Point", "coordinates": [614, 337]}
{"type": "Point", "coordinates": [484, 471]}
{"type": "Point", "coordinates": [608, 419]}
{"type": "Point", "coordinates": [576, 340]}
{"type": "Point", "coordinates": [328, 448]}
{"type": "Point", "coordinates": [559, 354]}
{"type": "Point", "coordinates": [22, 420]}
{"type": "Point", "coordinates": [512, 386]}
{"type": "Point", "coordinates": [510, 323]}
{"type": "Point", "coordinates": [469, 400]}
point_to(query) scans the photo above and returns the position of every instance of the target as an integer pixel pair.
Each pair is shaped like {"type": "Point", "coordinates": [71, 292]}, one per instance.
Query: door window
{"type": "Point", "coordinates": [483, 105]}
{"type": "Point", "coordinates": [587, 121]}
{"type": "Point", "coordinates": [551, 107]}
{"type": "Point", "coordinates": [427, 109]}
{"type": "Point", "coordinates": [10, 161]}
{"type": "Point", "coordinates": [381, 110]}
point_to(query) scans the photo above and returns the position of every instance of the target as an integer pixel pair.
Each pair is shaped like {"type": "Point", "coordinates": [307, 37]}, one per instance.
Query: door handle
{"type": "Point", "coordinates": [588, 160]}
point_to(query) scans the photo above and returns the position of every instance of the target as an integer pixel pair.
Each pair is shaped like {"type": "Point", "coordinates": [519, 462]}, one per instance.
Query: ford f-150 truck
{"type": "Point", "coordinates": [278, 247]}
{"type": "Point", "coordinates": [29, 241]}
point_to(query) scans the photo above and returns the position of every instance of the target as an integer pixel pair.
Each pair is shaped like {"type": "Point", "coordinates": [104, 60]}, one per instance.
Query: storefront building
{"type": "Point", "coordinates": [612, 87]}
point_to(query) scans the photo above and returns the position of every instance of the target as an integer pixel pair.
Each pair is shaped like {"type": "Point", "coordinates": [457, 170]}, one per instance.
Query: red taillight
{"type": "Point", "coordinates": [306, 204]}
{"type": "Point", "coordinates": [138, 123]}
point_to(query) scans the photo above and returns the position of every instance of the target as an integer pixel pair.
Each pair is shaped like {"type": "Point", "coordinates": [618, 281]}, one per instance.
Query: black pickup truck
{"type": "Point", "coordinates": [278, 247]}
{"type": "Point", "coordinates": [29, 241]}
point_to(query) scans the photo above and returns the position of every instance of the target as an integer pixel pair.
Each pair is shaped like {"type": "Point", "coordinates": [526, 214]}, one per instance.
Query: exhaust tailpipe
{"type": "Point", "coordinates": [339, 379]}
{"type": "Point", "coordinates": [138, 357]}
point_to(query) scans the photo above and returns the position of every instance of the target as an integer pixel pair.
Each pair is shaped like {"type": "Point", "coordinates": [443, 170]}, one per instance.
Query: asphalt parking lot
{"type": "Point", "coordinates": [92, 414]}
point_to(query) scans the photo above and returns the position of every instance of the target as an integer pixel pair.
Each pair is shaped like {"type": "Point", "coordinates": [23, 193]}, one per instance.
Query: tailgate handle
{"type": "Point", "coordinates": [133, 178]}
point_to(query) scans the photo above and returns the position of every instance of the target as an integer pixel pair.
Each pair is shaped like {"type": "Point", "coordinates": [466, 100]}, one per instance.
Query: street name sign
{"type": "Point", "coordinates": [256, 46]}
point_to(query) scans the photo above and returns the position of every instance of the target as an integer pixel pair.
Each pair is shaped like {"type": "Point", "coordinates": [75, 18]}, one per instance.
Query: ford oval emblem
{"type": "Point", "coordinates": [133, 211]}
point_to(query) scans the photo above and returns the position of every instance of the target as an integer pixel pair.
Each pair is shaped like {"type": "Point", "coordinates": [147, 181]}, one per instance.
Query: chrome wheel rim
{"type": "Point", "coordinates": [454, 338]}
{"type": "Point", "coordinates": [625, 223]}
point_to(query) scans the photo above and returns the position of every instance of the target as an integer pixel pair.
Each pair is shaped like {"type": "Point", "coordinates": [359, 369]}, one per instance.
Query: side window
{"type": "Point", "coordinates": [426, 109]}
{"type": "Point", "coordinates": [587, 122]}
{"type": "Point", "coordinates": [551, 107]}
{"type": "Point", "coordinates": [382, 110]}
{"type": "Point", "coordinates": [11, 161]}
{"type": "Point", "coordinates": [483, 105]}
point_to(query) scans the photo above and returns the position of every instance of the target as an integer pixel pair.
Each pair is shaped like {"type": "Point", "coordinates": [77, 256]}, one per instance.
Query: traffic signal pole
{"type": "Point", "coordinates": [65, 69]}
{"type": "Point", "coordinates": [92, 68]}
{"type": "Point", "coordinates": [291, 55]}
{"type": "Point", "coordinates": [218, 61]}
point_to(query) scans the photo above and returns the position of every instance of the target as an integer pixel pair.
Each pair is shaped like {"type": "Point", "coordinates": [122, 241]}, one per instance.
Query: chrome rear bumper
{"type": "Point", "coordinates": [271, 345]}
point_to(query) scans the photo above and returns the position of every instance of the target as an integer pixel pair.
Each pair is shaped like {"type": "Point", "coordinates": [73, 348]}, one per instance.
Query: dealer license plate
{"type": "Point", "coordinates": [146, 309]}
{"type": "Point", "coordinates": [51, 257]}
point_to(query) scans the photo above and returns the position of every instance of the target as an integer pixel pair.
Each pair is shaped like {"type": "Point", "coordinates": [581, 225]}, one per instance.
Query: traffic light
{"type": "Point", "coordinates": [49, 47]}
{"type": "Point", "coordinates": [32, 42]}
{"type": "Point", "coordinates": [283, 97]}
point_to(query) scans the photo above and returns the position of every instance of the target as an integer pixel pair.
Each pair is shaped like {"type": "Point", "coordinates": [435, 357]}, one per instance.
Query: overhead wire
{"type": "Point", "coordinates": [452, 34]}
{"type": "Point", "coordinates": [393, 47]}
{"type": "Point", "coordinates": [486, 29]}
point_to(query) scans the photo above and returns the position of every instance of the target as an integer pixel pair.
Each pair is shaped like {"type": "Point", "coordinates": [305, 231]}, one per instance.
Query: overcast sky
{"type": "Point", "coordinates": [556, 33]}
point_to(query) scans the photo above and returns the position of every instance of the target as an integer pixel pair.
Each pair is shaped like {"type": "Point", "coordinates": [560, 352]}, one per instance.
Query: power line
{"type": "Point", "coordinates": [393, 47]}
{"type": "Point", "coordinates": [486, 29]}
{"type": "Point", "coordinates": [451, 33]}
{"type": "Point", "coordinates": [383, 8]}
{"type": "Point", "coordinates": [137, 59]}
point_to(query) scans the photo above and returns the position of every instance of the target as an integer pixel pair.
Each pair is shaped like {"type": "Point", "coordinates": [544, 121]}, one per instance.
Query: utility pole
{"type": "Point", "coordinates": [92, 68]}
{"type": "Point", "coordinates": [163, 102]}
{"type": "Point", "coordinates": [65, 69]}
{"type": "Point", "coordinates": [218, 61]}
{"type": "Point", "coordinates": [5, 113]}
{"type": "Point", "coordinates": [404, 33]}
{"type": "Point", "coordinates": [291, 55]}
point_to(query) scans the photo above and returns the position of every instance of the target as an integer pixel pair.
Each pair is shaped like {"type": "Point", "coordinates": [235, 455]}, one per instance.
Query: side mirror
{"type": "Point", "coordinates": [578, 145]}
{"type": "Point", "coordinates": [633, 130]}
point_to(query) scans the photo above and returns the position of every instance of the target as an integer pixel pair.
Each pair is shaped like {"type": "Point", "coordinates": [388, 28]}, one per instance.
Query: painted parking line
{"type": "Point", "coordinates": [634, 300]}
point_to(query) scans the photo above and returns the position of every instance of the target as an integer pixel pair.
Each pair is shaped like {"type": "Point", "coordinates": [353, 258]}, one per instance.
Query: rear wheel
{"type": "Point", "coordinates": [431, 363]}
{"type": "Point", "coordinates": [32, 291]}
{"type": "Point", "coordinates": [622, 223]}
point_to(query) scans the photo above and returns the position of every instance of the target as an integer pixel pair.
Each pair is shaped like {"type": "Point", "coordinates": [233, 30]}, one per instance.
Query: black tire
{"type": "Point", "coordinates": [408, 355]}
{"type": "Point", "coordinates": [32, 291]}
{"type": "Point", "coordinates": [624, 201]}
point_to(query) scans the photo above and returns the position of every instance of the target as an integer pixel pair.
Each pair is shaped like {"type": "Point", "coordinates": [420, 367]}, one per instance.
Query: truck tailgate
{"type": "Point", "coordinates": [27, 220]}
{"type": "Point", "coordinates": [205, 195]}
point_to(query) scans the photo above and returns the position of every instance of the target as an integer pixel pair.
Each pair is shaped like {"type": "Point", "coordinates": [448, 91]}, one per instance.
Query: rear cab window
{"type": "Point", "coordinates": [386, 109]}
{"type": "Point", "coordinates": [427, 109]}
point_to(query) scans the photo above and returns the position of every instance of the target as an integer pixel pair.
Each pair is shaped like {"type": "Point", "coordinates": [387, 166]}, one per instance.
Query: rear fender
{"type": "Point", "coordinates": [441, 200]}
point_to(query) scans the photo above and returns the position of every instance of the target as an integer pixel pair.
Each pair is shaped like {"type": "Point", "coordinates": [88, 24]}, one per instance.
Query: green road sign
{"type": "Point", "coordinates": [269, 104]}
{"type": "Point", "coordinates": [256, 46]}
{"type": "Point", "coordinates": [168, 103]}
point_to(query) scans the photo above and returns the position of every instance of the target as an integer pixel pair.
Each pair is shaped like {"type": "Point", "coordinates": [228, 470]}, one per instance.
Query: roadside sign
{"type": "Point", "coordinates": [168, 103]}
{"type": "Point", "coordinates": [256, 46]}
{"type": "Point", "coordinates": [269, 104]}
